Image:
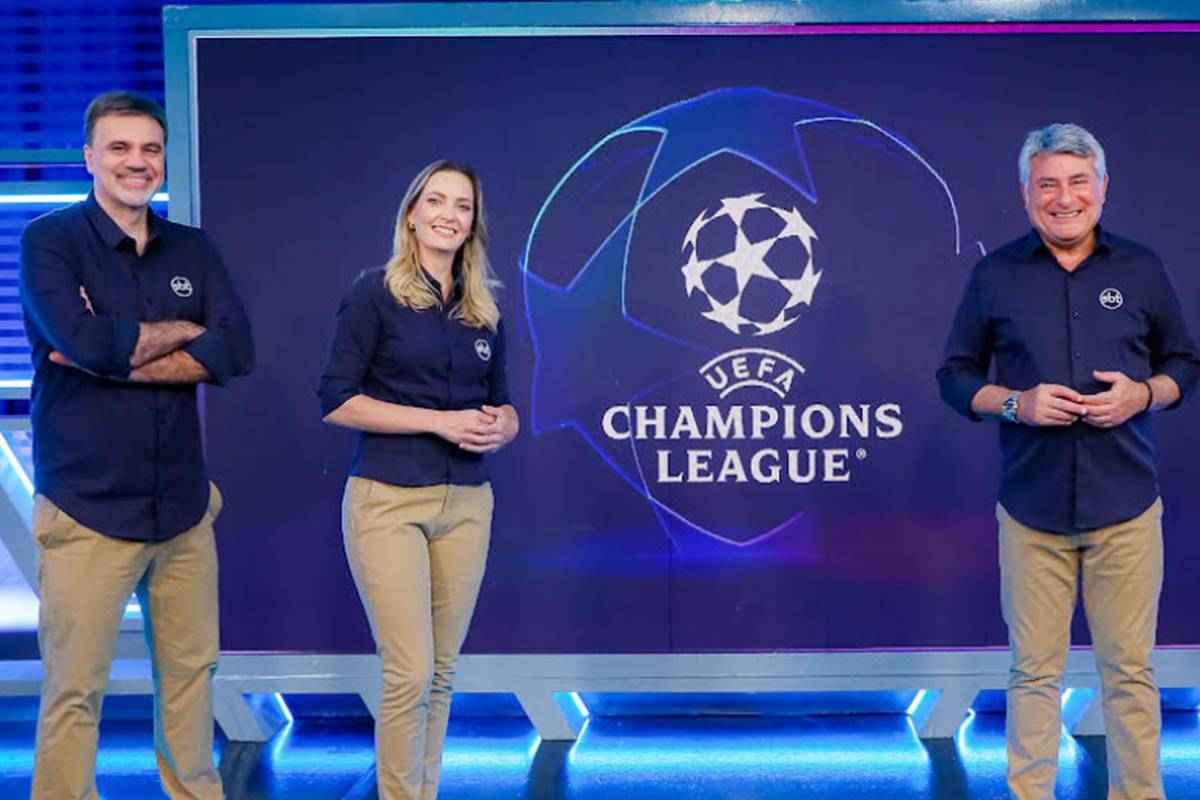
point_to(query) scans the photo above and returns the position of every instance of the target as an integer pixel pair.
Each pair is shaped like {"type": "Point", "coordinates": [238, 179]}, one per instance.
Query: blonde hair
{"type": "Point", "coordinates": [407, 281]}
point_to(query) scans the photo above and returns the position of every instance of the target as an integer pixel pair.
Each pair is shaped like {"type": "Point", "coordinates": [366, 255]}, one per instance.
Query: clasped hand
{"type": "Point", "coordinates": [481, 430]}
{"type": "Point", "coordinates": [1054, 404]}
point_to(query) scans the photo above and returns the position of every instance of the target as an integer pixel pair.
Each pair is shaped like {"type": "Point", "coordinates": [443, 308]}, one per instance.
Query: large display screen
{"type": "Point", "coordinates": [730, 260]}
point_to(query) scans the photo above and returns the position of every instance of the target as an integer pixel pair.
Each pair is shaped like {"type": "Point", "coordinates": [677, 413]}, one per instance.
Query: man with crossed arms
{"type": "Point", "coordinates": [126, 313]}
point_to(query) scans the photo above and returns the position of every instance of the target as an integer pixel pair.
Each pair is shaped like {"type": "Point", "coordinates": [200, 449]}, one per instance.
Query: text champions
{"type": "Point", "coordinates": [746, 431]}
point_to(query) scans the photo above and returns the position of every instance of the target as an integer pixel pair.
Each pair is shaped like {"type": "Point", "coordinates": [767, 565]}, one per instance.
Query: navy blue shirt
{"type": "Point", "coordinates": [1039, 323]}
{"type": "Point", "coordinates": [124, 459]}
{"type": "Point", "coordinates": [427, 359]}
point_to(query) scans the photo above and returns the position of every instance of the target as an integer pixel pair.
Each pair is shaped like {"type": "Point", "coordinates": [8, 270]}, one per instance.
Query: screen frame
{"type": "Point", "coordinates": [946, 681]}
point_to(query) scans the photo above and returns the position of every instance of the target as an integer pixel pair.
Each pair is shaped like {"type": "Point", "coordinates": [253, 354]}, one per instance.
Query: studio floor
{"type": "Point", "coordinates": [748, 757]}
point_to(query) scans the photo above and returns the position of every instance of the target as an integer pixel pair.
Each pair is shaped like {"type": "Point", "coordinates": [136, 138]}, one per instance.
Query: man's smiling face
{"type": "Point", "coordinates": [1064, 198]}
{"type": "Point", "coordinates": [125, 158]}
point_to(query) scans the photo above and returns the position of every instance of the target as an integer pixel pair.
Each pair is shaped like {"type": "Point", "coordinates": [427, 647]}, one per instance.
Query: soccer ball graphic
{"type": "Point", "coordinates": [752, 262]}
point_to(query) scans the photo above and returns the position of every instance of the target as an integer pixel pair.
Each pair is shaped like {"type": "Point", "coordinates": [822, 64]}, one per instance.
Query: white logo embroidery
{"type": "Point", "coordinates": [181, 286]}
{"type": "Point", "coordinates": [483, 350]}
{"type": "Point", "coordinates": [1111, 299]}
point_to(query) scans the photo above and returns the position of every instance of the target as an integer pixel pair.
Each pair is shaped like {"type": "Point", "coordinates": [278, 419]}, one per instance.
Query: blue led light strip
{"type": "Point", "coordinates": [32, 199]}
{"type": "Point", "coordinates": [15, 464]}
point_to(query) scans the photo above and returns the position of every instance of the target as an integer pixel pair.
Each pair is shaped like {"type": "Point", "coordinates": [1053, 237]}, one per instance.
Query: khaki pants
{"type": "Point", "coordinates": [85, 580]}
{"type": "Point", "coordinates": [417, 554]}
{"type": "Point", "coordinates": [1121, 567]}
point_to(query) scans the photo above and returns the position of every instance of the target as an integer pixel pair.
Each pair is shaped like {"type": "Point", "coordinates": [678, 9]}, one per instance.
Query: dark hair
{"type": "Point", "coordinates": [123, 103]}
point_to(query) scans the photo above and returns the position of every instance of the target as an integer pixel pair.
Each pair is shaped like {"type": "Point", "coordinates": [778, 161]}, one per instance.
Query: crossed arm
{"type": "Point", "coordinates": [216, 349]}
{"type": "Point", "coordinates": [157, 357]}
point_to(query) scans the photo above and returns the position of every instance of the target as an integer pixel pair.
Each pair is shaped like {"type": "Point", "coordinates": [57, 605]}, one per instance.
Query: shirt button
{"type": "Point", "coordinates": [1077, 354]}
{"type": "Point", "coordinates": [1075, 314]}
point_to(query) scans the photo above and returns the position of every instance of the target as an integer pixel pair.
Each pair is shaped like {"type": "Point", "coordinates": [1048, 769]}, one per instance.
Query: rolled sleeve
{"type": "Point", "coordinates": [354, 340]}
{"type": "Point", "coordinates": [1172, 350]}
{"type": "Point", "coordinates": [968, 353]}
{"type": "Point", "coordinates": [1183, 373]}
{"type": "Point", "coordinates": [51, 294]}
{"type": "Point", "coordinates": [226, 348]}
{"type": "Point", "coordinates": [213, 353]}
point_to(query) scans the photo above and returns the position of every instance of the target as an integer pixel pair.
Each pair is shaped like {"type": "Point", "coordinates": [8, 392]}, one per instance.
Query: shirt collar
{"type": "Point", "coordinates": [110, 232]}
{"type": "Point", "coordinates": [1033, 244]}
{"type": "Point", "coordinates": [455, 289]}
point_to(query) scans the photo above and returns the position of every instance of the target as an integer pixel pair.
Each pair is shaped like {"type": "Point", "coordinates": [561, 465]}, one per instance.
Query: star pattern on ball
{"type": "Point", "coordinates": [747, 259]}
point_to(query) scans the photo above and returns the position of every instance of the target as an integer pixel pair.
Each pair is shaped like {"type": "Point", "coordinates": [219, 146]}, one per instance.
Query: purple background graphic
{"type": "Point", "coordinates": [305, 147]}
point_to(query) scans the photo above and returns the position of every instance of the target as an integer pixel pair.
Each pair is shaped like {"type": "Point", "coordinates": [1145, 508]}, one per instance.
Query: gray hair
{"type": "Point", "coordinates": [1061, 137]}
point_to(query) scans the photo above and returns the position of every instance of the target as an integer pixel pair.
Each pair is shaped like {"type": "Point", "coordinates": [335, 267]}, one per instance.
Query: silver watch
{"type": "Point", "coordinates": [1009, 407]}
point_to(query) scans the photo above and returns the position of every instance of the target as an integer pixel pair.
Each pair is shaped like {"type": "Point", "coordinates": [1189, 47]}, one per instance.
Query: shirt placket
{"type": "Point", "coordinates": [144, 276]}
{"type": "Point", "coordinates": [447, 336]}
{"type": "Point", "coordinates": [1076, 289]}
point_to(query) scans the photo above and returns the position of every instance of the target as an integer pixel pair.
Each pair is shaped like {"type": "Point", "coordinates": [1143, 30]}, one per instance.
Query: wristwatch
{"type": "Point", "coordinates": [1009, 407]}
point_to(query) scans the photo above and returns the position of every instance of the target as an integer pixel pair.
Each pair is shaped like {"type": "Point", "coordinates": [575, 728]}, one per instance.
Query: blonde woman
{"type": "Point", "coordinates": [418, 368]}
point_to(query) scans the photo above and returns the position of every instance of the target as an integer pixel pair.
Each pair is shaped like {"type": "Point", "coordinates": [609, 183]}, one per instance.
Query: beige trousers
{"type": "Point", "coordinates": [417, 554]}
{"type": "Point", "coordinates": [85, 579]}
{"type": "Point", "coordinates": [1121, 568]}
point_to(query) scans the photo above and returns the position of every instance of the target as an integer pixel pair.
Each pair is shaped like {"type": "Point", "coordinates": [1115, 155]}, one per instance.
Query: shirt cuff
{"type": "Point", "coordinates": [125, 334]}
{"type": "Point", "coordinates": [334, 393]}
{"type": "Point", "coordinates": [959, 391]}
{"type": "Point", "coordinates": [210, 350]}
{"type": "Point", "coordinates": [1184, 375]}
{"type": "Point", "coordinates": [499, 398]}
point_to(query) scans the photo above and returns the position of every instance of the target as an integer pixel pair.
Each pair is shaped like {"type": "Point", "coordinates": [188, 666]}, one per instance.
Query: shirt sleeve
{"type": "Point", "coordinates": [354, 341]}
{"type": "Point", "coordinates": [1172, 349]}
{"type": "Point", "coordinates": [52, 296]}
{"type": "Point", "coordinates": [968, 353]}
{"type": "Point", "coordinates": [226, 348]}
{"type": "Point", "coordinates": [498, 372]}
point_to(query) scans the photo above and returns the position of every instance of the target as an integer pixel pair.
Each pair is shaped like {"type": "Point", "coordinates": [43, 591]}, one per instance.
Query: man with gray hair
{"type": "Point", "coordinates": [1087, 339]}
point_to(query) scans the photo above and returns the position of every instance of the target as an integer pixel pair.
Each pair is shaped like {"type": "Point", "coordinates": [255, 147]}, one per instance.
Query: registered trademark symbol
{"type": "Point", "coordinates": [860, 453]}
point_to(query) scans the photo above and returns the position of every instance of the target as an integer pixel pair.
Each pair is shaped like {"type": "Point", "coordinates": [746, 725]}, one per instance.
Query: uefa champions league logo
{"type": "Point", "coordinates": [753, 262]}
{"type": "Point", "coordinates": [669, 285]}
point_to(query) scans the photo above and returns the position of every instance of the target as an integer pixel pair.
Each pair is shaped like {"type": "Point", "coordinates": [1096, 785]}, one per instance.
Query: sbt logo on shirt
{"type": "Point", "coordinates": [181, 286]}
{"type": "Point", "coordinates": [483, 349]}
